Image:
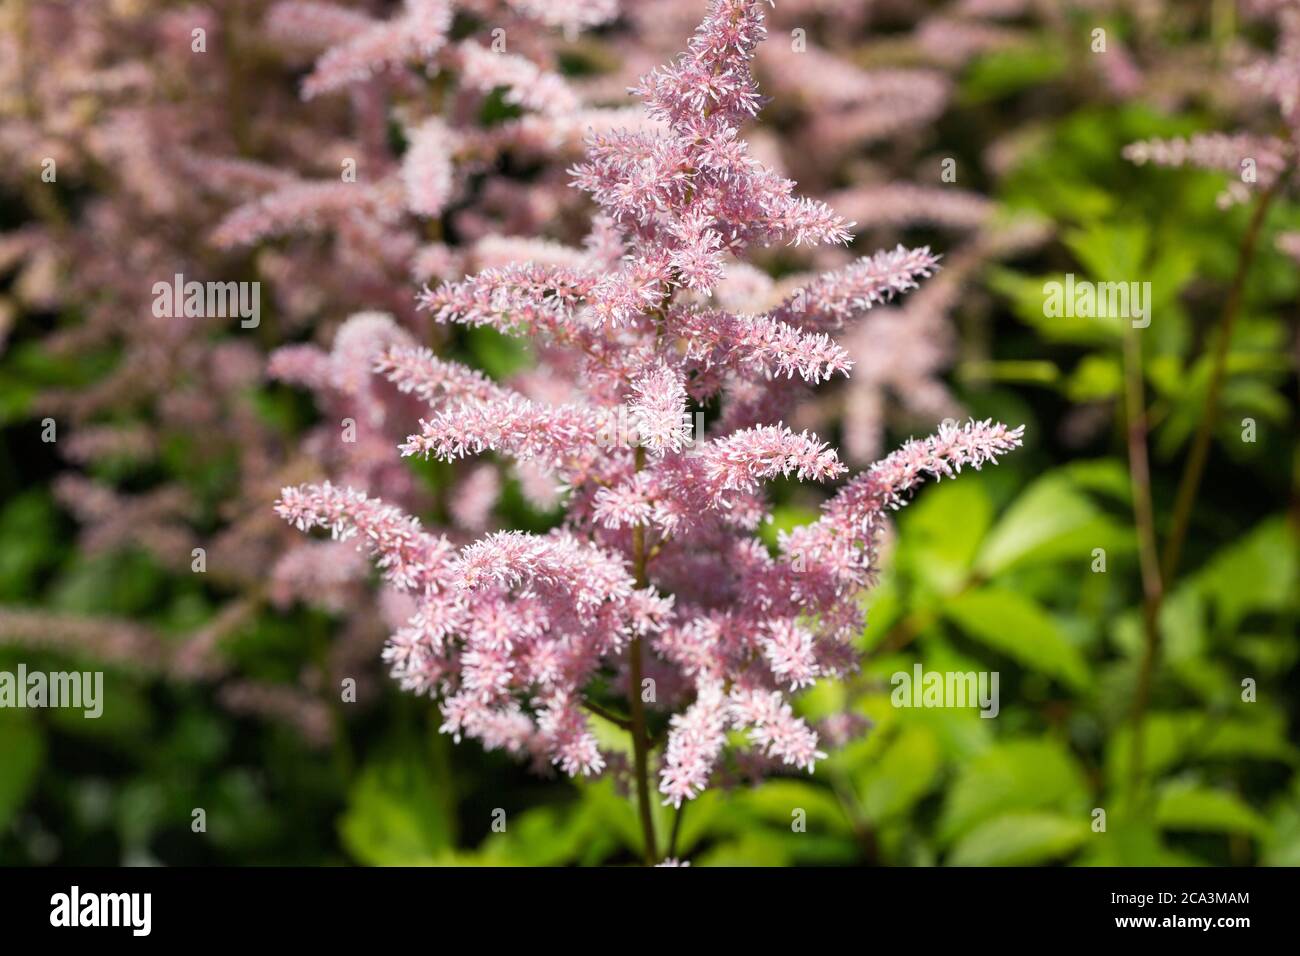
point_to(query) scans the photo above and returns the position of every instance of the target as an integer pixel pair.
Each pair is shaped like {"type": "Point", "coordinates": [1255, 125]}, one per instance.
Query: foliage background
{"type": "Point", "coordinates": [994, 572]}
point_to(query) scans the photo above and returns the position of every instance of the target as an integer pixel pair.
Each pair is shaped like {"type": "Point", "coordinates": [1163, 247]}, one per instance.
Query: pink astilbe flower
{"type": "Point", "coordinates": [759, 343]}
{"type": "Point", "coordinates": [790, 653]}
{"type": "Point", "coordinates": [943, 455]}
{"type": "Point", "coordinates": [314, 25]}
{"type": "Point", "coordinates": [513, 425]}
{"type": "Point", "coordinates": [1254, 160]}
{"type": "Point", "coordinates": [419, 372]}
{"type": "Point", "coordinates": [303, 207]}
{"type": "Point", "coordinates": [556, 562]}
{"type": "Point", "coordinates": [526, 85]}
{"type": "Point", "coordinates": [569, 15]}
{"type": "Point", "coordinates": [834, 297]}
{"type": "Point", "coordinates": [659, 410]}
{"type": "Point", "coordinates": [773, 727]}
{"type": "Point", "coordinates": [1218, 151]}
{"type": "Point", "coordinates": [427, 168]}
{"type": "Point", "coordinates": [744, 458]}
{"type": "Point", "coordinates": [474, 497]}
{"type": "Point", "coordinates": [154, 151]}
{"type": "Point", "coordinates": [902, 204]}
{"type": "Point", "coordinates": [418, 31]}
{"type": "Point", "coordinates": [655, 568]}
{"type": "Point", "coordinates": [406, 554]}
{"type": "Point", "coordinates": [694, 744]}
{"type": "Point", "coordinates": [511, 298]}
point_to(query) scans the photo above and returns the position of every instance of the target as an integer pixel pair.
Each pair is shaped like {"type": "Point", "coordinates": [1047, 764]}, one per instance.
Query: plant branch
{"type": "Point", "coordinates": [1139, 468]}
{"type": "Point", "coordinates": [1156, 579]}
{"type": "Point", "coordinates": [636, 707]}
{"type": "Point", "coordinates": [1196, 458]}
{"type": "Point", "coordinates": [677, 829]}
{"type": "Point", "coordinates": [613, 718]}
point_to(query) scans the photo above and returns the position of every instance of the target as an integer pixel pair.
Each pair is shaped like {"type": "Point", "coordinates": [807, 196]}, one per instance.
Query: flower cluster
{"type": "Point", "coordinates": [1256, 161]}
{"type": "Point", "coordinates": [251, 142]}
{"type": "Point", "coordinates": [655, 586]}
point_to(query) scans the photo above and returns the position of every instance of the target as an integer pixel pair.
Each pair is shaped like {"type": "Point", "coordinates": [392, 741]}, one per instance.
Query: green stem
{"type": "Point", "coordinates": [641, 750]}
{"type": "Point", "coordinates": [613, 718]}
{"type": "Point", "coordinates": [1192, 472]}
{"type": "Point", "coordinates": [1156, 581]}
{"type": "Point", "coordinates": [636, 706]}
{"type": "Point", "coordinates": [1152, 584]}
{"type": "Point", "coordinates": [677, 829]}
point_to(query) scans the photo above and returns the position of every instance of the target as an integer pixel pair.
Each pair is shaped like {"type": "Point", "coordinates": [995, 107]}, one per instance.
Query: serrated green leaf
{"type": "Point", "coordinates": [22, 752]}
{"type": "Point", "coordinates": [1188, 807]}
{"type": "Point", "coordinates": [941, 533]}
{"type": "Point", "coordinates": [393, 817]}
{"type": "Point", "coordinates": [1020, 839]}
{"type": "Point", "coordinates": [907, 770]}
{"type": "Point", "coordinates": [1029, 774]}
{"type": "Point", "coordinates": [1050, 521]}
{"type": "Point", "coordinates": [1018, 627]}
{"type": "Point", "coordinates": [1257, 573]}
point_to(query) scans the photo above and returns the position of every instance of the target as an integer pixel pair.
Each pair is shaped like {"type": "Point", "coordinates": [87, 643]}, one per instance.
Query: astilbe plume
{"type": "Point", "coordinates": [123, 208]}
{"type": "Point", "coordinates": [445, 203]}
{"type": "Point", "coordinates": [516, 633]}
{"type": "Point", "coordinates": [837, 84]}
{"type": "Point", "coordinates": [1257, 162]}
{"type": "Point", "coordinates": [169, 164]}
{"type": "Point", "coordinates": [354, 241]}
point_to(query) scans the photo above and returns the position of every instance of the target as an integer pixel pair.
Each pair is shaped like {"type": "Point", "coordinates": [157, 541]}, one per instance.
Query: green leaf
{"type": "Point", "coordinates": [28, 533]}
{"type": "Point", "coordinates": [1021, 629]}
{"type": "Point", "coordinates": [1020, 839]}
{"type": "Point", "coordinates": [497, 354]}
{"type": "Point", "coordinates": [22, 751]}
{"type": "Point", "coordinates": [1172, 738]}
{"type": "Point", "coordinates": [1102, 476]}
{"type": "Point", "coordinates": [1009, 371]}
{"type": "Point", "coordinates": [394, 817]}
{"type": "Point", "coordinates": [1188, 807]}
{"type": "Point", "coordinates": [1132, 842]}
{"type": "Point", "coordinates": [758, 848]}
{"type": "Point", "coordinates": [1029, 301]}
{"type": "Point", "coordinates": [905, 772]}
{"type": "Point", "coordinates": [125, 713]}
{"type": "Point", "coordinates": [1283, 848]}
{"type": "Point", "coordinates": [777, 800]}
{"type": "Point", "coordinates": [1096, 378]}
{"type": "Point", "coordinates": [611, 737]}
{"type": "Point", "coordinates": [1050, 521]}
{"type": "Point", "coordinates": [1110, 252]}
{"type": "Point", "coordinates": [940, 534]}
{"type": "Point", "coordinates": [1004, 72]}
{"type": "Point", "coordinates": [1257, 573]}
{"type": "Point", "coordinates": [542, 836]}
{"type": "Point", "coordinates": [785, 518]}
{"type": "Point", "coordinates": [1030, 774]}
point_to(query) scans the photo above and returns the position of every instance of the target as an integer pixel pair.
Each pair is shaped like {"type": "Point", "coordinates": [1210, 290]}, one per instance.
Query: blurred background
{"type": "Point", "coordinates": [140, 455]}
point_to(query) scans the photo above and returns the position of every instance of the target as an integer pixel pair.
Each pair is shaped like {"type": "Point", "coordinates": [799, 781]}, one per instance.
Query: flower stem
{"type": "Point", "coordinates": [609, 715]}
{"type": "Point", "coordinates": [636, 707]}
{"type": "Point", "coordinates": [1196, 458]}
{"type": "Point", "coordinates": [676, 831]}
{"type": "Point", "coordinates": [1139, 468]}
{"type": "Point", "coordinates": [1155, 580]}
{"type": "Point", "coordinates": [641, 751]}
